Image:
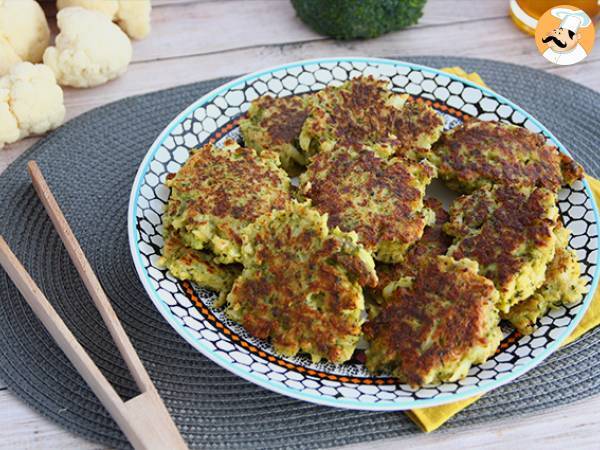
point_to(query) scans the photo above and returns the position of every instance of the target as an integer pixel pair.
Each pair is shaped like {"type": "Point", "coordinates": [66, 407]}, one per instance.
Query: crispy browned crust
{"type": "Point", "coordinates": [359, 113]}
{"type": "Point", "coordinates": [434, 242]}
{"type": "Point", "coordinates": [571, 171]}
{"type": "Point", "coordinates": [227, 184]}
{"type": "Point", "coordinates": [283, 123]}
{"type": "Point", "coordinates": [432, 322]}
{"type": "Point", "coordinates": [301, 286]}
{"type": "Point", "coordinates": [500, 228]}
{"type": "Point", "coordinates": [382, 200]}
{"type": "Point", "coordinates": [479, 152]}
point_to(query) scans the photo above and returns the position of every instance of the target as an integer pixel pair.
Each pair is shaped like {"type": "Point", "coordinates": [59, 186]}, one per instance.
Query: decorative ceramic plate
{"type": "Point", "coordinates": [189, 308]}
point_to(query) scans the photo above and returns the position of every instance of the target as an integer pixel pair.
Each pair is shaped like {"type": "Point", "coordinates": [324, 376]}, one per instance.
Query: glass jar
{"type": "Point", "coordinates": [525, 13]}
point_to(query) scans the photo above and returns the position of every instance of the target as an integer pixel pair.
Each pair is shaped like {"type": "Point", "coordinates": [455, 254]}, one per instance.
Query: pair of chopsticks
{"type": "Point", "coordinates": [144, 419]}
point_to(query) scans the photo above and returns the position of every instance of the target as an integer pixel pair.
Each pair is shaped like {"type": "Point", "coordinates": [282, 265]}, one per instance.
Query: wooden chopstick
{"type": "Point", "coordinates": [144, 419]}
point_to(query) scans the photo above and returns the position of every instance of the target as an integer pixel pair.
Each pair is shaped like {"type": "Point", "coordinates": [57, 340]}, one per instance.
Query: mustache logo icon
{"type": "Point", "coordinates": [557, 41]}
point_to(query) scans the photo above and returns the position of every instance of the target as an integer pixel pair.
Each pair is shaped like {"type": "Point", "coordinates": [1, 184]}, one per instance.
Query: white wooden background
{"type": "Point", "coordinates": [198, 40]}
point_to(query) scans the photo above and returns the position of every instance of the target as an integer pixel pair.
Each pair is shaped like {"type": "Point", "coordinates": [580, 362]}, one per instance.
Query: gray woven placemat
{"type": "Point", "coordinates": [90, 164]}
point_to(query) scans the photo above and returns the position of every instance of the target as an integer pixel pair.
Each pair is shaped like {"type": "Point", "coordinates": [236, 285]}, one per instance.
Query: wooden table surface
{"type": "Point", "coordinates": [199, 40]}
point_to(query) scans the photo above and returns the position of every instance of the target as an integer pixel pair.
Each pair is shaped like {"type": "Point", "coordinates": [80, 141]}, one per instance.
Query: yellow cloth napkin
{"type": "Point", "coordinates": [429, 419]}
{"type": "Point", "coordinates": [459, 71]}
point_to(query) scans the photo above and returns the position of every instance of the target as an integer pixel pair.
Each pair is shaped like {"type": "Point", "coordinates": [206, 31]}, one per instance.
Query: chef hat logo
{"type": "Point", "coordinates": [571, 20]}
{"type": "Point", "coordinates": [565, 34]}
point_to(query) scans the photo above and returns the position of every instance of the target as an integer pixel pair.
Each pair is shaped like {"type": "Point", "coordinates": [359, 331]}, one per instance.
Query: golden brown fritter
{"type": "Point", "coordinates": [509, 231]}
{"type": "Point", "coordinates": [274, 123]}
{"type": "Point", "coordinates": [302, 284]}
{"type": "Point", "coordinates": [563, 285]}
{"type": "Point", "coordinates": [435, 325]}
{"type": "Point", "coordinates": [364, 111]}
{"type": "Point", "coordinates": [219, 191]}
{"type": "Point", "coordinates": [480, 153]}
{"type": "Point", "coordinates": [434, 242]}
{"type": "Point", "coordinates": [380, 199]}
{"type": "Point", "coordinates": [198, 266]}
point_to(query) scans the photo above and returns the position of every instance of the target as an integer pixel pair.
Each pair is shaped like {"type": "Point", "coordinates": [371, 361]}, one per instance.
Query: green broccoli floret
{"type": "Point", "coordinates": [350, 19]}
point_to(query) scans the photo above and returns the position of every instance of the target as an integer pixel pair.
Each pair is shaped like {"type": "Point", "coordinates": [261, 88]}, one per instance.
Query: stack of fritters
{"type": "Point", "coordinates": [294, 272]}
{"type": "Point", "coordinates": [217, 193]}
{"type": "Point", "coordinates": [562, 286]}
{"type": "Point", "coordinates": [509, 231]}
{"type": "Point", "coordinates": [434, 242]}
{"type": "Point", "coordinates": [302, 284]}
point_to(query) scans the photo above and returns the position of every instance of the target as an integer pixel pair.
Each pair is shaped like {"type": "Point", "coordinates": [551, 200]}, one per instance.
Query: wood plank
{"type": "Point", "coordinates": [150, 76]}
{"type": "Point", "coordinates": [410, 42]}
{"type": "Point", "coordinates": [576, 425]}
{"type": "Point", "coordinates": [439, 12]}
{"type": "Point", "coordinates": [201, 29]}
{"type": "Point", "coordinates": [24, 428]}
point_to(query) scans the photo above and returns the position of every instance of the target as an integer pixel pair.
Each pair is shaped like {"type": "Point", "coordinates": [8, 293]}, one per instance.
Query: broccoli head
{"type": "Point", "coordinates": [350, 19]}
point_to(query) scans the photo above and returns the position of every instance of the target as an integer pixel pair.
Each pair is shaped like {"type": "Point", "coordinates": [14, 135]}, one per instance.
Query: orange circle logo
{"type": "Point", "coordinates": [565, 35]}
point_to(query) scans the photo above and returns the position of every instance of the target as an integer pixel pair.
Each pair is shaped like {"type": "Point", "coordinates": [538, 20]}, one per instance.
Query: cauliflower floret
{"type": "Point", "coordinates": [30, 102]}
{"type": "Point", "coordinates": [24, 28]}
{"type": "Point", "coordinates": [108, 7]}
{"type": "Point", "coordinates": [8, 57]}
{"type": "Point", "coordinates": [9, 128]}
{"type": "Point", "coordinates": [133, 16]}
{"type": "Point", "coordinates": [90, 49]}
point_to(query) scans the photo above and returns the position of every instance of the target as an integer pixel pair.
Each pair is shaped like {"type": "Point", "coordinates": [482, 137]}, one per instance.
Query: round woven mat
{"type": "Point", "coordinates": [90, 164]}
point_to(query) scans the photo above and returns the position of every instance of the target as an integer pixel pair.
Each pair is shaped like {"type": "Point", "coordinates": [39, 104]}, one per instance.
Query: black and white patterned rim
{"type": "Point", "coordinates": [189, 309]}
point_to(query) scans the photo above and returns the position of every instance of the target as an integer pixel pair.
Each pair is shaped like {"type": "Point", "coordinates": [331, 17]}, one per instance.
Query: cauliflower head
{"type": "Point", "coordinates": [30, 102]}
{"type": "Point", "coordinates": [24, 30]}
{"type": "Point", "coordinates": [108, 7]}
{"type": "Point", "coordinates": [133, 16]}
{"type": "Point", "coordinates": [89, 50]}
{"type": "Point", "coordinates": [8, 57]}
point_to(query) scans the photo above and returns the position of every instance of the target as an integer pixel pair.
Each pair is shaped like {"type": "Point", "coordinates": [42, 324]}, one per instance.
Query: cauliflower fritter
{"type": "Point", "coordinates": [509, 231]}
{"type": "Point", "coordinates": [478, 153]}
{"type": "Point", "coordinates": [198, 266]}
{"type": "Point", "coordinates": [89, 50]}
{"type": "Point", "coordinates": [274, 123]}
{"type": "Point", "coordinates": [218, 192]}
{"type": "Point", "coordinates": [302, 284]}
{"type": "Point", "coordinates": [434, 326]}
{"type": "Point", "coordinates": [563, 285]}
{"type": "Point", "coordinates": [364, 111]}
{"type": "Point", "coordinates": [434, 242]}
{"type": "Point", "coordinates": [380, 199]}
